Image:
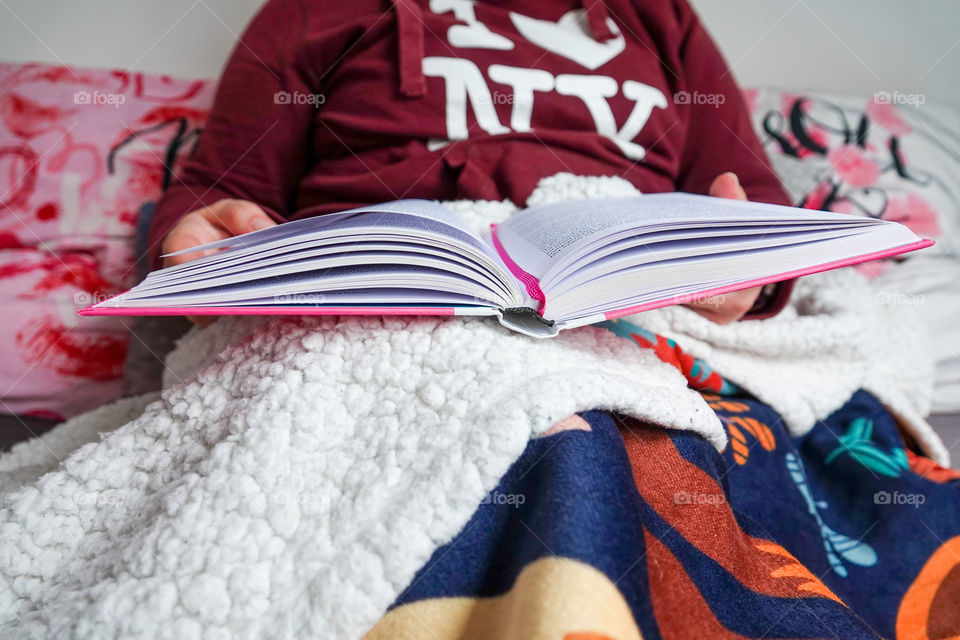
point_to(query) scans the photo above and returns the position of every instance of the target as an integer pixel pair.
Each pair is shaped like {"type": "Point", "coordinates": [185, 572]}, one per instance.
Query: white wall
{"type": "Point", "coordinates": [852, 45]}
{"type": "Point", "coordinates": [180, 37]}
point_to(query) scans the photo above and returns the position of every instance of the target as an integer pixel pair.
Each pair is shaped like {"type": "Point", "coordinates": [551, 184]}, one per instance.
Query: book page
{"type": "Point", "coordinates": [416, 215]}
{"type": "Point", "coordinates": [616, 285]}
{"type": "Point", "coordinates": [416, 245]}
{"type": "Point", "coordinates": [277, 262]}
{"type": "Point", "coordinates": [382, 260]}
{"type": "Point", "coordinates": [416, 228]}
{"type": "Point", "coordinates": [538, 237]}
{"type": "Point", "coordinates": [308, 288]}
{"type": "Point", "coordinates": [367, 297]}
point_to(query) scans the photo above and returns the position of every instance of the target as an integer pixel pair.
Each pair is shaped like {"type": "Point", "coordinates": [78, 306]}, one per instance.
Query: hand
{"type": "Point", "coordinates": [221, 220]}
{"type": "Point", "coordinates": [729, 307]}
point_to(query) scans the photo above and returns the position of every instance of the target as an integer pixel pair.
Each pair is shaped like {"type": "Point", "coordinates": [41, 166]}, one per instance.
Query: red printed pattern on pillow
{"type": "Point", "coordinates": [81, 153]}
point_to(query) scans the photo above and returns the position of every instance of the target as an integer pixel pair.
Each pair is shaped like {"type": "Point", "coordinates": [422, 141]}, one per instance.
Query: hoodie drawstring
{"type": "Point", "coordinates": [410, 29]}
{"type": "Point", "coordinates": [597, 16]}
{"type": "Point", "coordinates": [413, 84]}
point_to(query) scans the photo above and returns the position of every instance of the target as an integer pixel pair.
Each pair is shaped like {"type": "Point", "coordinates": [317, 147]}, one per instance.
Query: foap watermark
{"type": "Point", "coordinates": [300, 298]}
{"type": "Point", "coordinates": [899, 298]}
{"type": "Point", "coordinates": [501, 97]}
{"type": "Point", "coordinates": [109, 498]}
{"type": "Point", "coordinates": [509, 499]}
{"type": "Point", "coordinates": [699, 98]}
{"type": "Point", "coordinates": [87, 298]}
{"type": "Point", "coordinates": [898, 98]}
{"type": "Point", "coordinates": [299, 498]}
{"type": "Point", "coordinates": [897, 498]}
{"type": "Point", "coordinates": [716, 301]}
{"type": "Point", "coordinates": [97, 98]}
{"type": "Point", "coordinates": [299, 97]}
{"type": "Point", "coordinates": [699, 499]}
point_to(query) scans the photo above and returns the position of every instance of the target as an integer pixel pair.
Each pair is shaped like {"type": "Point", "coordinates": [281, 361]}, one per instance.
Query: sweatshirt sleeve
{"type": "Point", "coordinates": [255, 143]}
{"type": "Point", "coordinates": [720, 136]}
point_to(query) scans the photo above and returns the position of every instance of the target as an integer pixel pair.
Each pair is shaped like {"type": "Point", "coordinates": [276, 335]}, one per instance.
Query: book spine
{"type": "Point", "coordinates": [528, 322]}
{"type": "Point", "coordinates": [531, 313]}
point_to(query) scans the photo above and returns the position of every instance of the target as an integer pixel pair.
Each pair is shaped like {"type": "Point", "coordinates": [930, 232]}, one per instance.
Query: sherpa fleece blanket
{"type": "Point", "coordinates": [300, 477]}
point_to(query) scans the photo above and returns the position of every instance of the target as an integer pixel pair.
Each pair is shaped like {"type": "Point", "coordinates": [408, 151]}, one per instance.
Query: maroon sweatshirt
{"type": "Point", "coordinates": [327, 105]}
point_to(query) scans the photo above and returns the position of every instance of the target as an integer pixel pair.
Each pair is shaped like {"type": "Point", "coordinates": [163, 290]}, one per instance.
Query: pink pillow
{"type": "Point", "coordinates": [81, 152]}
{"type": "Point", "coordinates": [890, 155]}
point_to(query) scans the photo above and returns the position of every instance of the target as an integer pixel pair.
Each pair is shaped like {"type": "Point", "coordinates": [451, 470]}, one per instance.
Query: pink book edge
{"type": "Point", "coordinates": [272, 311]}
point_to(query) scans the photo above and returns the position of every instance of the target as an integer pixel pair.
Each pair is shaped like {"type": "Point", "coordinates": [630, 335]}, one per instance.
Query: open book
{"type": "Point", "coordinates": [546, 268]}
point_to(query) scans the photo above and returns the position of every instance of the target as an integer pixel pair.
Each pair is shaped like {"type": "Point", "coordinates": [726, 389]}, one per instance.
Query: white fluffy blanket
{"type": "Point", "coordinates": [294, 474]}
{"type": "Point", "coordinates": [836, 336]}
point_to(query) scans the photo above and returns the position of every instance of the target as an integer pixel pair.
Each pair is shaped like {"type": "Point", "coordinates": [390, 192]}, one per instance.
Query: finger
{"type": "Point", "coordinates": [727, 308]}
{"type": "Point", "coordinates": [720, 315]}
{"type": "Point", "coordinates": [237, 217]}
{"type": "Point", "coordinates": [191, 231]}
{"type": "Point", "coordinates": [727, 185]}
{"type": "Point", "coordinates": [709, 314]}
{"type": "Point", "coordinates": [730, 307]}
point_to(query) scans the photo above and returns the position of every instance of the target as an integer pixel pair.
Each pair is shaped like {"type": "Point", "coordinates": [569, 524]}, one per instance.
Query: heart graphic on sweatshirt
{"type": "Point", "coordinates": [570, 37]}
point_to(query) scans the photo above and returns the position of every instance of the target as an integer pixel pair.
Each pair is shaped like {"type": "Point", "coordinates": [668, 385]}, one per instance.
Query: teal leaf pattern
{"type": "Point", "coordinates": [857, 443]}
{"type": "Point", "coordinates": [838, 547]}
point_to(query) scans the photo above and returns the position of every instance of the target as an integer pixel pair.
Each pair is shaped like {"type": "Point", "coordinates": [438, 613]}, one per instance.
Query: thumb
{"type": "Point", "coordinates": [237, 217]}
{"type": "Point", "coordinates": [727, 185]}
